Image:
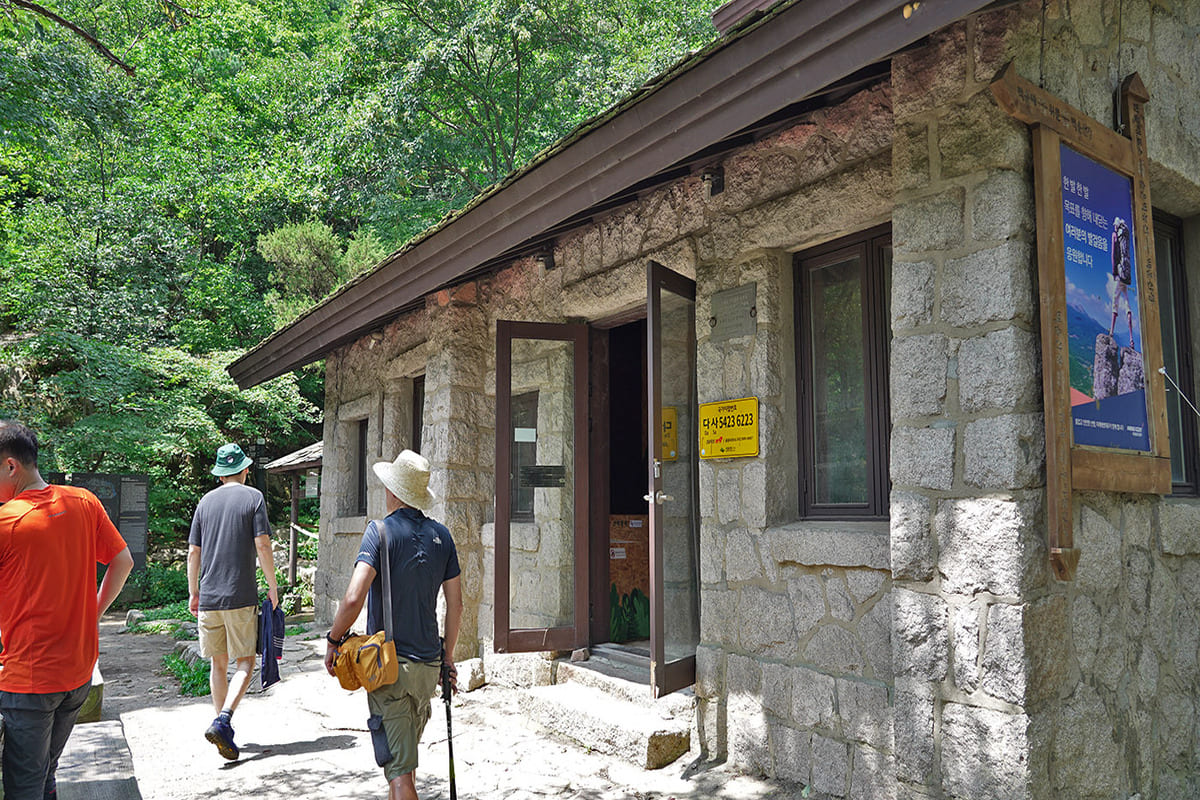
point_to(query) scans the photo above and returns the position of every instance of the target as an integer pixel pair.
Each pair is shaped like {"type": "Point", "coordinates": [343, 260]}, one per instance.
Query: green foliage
{"type": "Point", "coordinates": [172, 628]}
{"type": "Point", "coordinates": [309, 263]}
{"type": "Point", "coordinates": [175, 610]}
{"type": "Point", "coordinates": [292, 599]}
{"type": "Point", "coordinates": [100, 407]}
{"type": "Point", "coordinates": [629, 615]}
{"type": "Point", "coordinates": [154, 227]}
{"type": "Point", "coordinates": [193, 680]}
{"type": "Point", "coordinates": [306, 548]}
{"type": "Point", "coordinates": [164, 589]}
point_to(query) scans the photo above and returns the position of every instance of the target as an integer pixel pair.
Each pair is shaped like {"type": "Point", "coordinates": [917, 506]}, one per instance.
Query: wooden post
{"type": "Point", "coordinates": [292, 555]}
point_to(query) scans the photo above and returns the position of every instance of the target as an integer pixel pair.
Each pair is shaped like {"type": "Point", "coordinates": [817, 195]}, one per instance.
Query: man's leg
{"type": "Point", "coordinates": [403, 788]}
{"type": "Point", "coordinates": [1130, 315]}
{"type": "Point", "coordinates": [62, 725]}
{"type": "Point", "coordinates": [238, 684]}
{"type": "Point", "coordinates": [218, 680]}
{"type": "Point", "coordinates": [28, 724]}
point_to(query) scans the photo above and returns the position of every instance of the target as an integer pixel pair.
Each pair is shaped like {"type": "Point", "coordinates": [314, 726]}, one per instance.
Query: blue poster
{"type": "Point", "coordinates": [1108, 381]}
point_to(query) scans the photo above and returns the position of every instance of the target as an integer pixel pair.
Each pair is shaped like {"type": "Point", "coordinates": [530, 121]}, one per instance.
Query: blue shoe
{"type": "Point", "coordinates": [220, 733]}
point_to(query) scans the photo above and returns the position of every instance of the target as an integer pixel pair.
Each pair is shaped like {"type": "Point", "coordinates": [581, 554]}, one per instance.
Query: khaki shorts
{"type": "Point", "coordinates": [232, 632]}
{"type": "Point", "coordinates": [404, 706]}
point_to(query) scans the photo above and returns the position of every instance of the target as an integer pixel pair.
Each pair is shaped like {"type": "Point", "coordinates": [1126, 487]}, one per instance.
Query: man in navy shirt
{"type": "Point", "coordinates": [423, 560]}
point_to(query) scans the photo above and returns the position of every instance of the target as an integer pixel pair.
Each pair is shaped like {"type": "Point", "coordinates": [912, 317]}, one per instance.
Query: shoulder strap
{"type": "Point", "coordinates": [386, 574]}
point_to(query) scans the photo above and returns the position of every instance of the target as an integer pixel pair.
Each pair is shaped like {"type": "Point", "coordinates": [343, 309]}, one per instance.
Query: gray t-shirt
{"type": "Point", "coordinates": [226, 521]}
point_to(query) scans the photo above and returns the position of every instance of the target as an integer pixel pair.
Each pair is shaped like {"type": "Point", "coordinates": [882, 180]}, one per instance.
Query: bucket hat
{"type": "Point", "coordinates": [408, 478]}
{"type": "Point", "coordinates": [230, 460]}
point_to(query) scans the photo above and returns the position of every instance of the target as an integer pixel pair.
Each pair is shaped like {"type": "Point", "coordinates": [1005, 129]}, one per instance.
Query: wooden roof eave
{"type": "Point", "coordinates": [790, 55]}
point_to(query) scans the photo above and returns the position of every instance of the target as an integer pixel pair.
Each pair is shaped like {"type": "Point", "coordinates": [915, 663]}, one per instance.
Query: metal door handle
{"type": "Point", "coordinates": [659, 498]}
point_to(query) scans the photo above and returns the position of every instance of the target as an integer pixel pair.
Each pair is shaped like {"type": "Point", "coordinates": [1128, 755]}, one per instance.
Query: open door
{"type": "Point", "coordinates": [673, 469]}
{"type": "Point", "coordinates": [541, 487]}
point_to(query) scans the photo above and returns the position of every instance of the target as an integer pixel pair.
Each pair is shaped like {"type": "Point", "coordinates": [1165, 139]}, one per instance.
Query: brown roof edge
{"type": "Point", "coordinates": [735, 12]}
{"type": "Point", "coordinates": [799, 50]}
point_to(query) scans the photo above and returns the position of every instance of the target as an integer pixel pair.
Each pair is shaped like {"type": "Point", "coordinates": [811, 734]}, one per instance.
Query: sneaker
{"type": "Point", "coordinates": [220, 733]}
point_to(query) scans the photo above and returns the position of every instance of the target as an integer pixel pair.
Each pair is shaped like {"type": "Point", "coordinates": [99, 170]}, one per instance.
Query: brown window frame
{"type": "Point", "coordinates": [1184, 435]}
{"type": "Point", "coordinates": [873, 247]}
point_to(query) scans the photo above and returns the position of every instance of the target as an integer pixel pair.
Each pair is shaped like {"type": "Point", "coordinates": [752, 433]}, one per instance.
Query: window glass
{"type": "Point", "coordinates": [418, 413]}
{"type": "Point", "coordinates": [843, 340]}
{"type": "Point", "coordinates": [524, 454]}
{"type": "Point", "coordinates": [839, 445]}
{"type": "Point", "coordinates": [1172, 309]}
{"type": "Point", "coordinates": [360, 504]}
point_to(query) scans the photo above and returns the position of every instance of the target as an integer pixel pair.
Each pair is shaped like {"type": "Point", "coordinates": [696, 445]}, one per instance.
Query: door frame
{"type": "Point", "coordinates": [665, 677]}
{"type": "Point", "coordinates": [523, 640]}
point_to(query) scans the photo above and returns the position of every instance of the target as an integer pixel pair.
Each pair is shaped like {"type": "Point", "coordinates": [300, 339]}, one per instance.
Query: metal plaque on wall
{"type": "Point", "coordinates": [734, 313]}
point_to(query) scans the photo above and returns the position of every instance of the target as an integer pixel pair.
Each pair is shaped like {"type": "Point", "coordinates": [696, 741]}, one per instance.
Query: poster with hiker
{"type": "Point", "coordinates": [1108, 382]}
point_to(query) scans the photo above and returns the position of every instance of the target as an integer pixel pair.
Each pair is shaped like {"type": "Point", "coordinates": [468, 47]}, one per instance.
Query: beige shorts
{"type": "Point", "coordinates": [404, 706]}
{"type": "Point", "coordinates": [232, 632]}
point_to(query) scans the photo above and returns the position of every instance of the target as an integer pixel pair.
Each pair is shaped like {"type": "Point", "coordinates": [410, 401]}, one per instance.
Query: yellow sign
{"type": "Point", "coordinates": [729, 429]}
{"type": "Point", "coordinates": [670, 437]}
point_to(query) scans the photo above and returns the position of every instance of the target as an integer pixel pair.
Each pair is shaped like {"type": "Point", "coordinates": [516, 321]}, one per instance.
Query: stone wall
{"type": "Point", "coordinates": [1009, 684]}
{"type": "Point", "coordinates": [794, 669]}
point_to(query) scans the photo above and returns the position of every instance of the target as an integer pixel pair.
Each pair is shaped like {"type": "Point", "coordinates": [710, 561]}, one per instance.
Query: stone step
{"type": "Point", "coordinates": [96, 764]}
{"type": "Point", "coordinates": [628, 683]}
{"type": "Point", "coordinates": [598, 720]}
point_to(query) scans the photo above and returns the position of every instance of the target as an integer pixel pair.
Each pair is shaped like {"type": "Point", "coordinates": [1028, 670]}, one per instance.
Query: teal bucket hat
{"type": "Point", "coordinates": [230, 460]}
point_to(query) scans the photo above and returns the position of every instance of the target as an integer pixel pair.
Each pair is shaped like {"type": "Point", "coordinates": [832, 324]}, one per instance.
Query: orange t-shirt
{"type": "Point", "coordinates": [50, 542]}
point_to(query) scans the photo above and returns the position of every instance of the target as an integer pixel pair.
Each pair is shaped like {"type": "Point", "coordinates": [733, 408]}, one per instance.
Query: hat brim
{"type": "Point", "coordinates": [383, 471]}
{"type": "Point", "coordinates": [222, 472]}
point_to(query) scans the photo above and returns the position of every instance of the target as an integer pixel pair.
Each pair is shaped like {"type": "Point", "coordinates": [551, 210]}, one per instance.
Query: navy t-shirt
{"type": "Point", "coordinates": [422, 557]}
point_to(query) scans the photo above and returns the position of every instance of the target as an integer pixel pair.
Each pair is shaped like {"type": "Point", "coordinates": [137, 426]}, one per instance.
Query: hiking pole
{"type": "Point", "coordinates": [446, 694]}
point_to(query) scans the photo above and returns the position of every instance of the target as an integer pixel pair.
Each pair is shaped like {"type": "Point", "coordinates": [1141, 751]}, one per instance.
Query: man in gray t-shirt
{"type": "Point", "coordinates": [228, 528]}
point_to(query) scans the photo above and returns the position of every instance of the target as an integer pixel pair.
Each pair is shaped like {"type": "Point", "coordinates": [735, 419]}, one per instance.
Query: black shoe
{"type": "Point", "coordinates": [220, 733]}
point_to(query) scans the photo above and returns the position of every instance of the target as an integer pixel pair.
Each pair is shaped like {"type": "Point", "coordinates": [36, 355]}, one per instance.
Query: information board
{"type": "Point", "coordinates": [124, 497]}
{"type": "Point", "coordinates": [729, 428]}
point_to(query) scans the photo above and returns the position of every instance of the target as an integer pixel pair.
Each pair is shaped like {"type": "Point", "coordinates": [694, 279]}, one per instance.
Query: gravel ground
{"type": "Point", "coordinates": [306, 737]}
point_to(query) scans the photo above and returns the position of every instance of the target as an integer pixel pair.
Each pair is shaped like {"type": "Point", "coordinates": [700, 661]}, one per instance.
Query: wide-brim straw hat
{"type": "Point", "coordinates": [408, 478]}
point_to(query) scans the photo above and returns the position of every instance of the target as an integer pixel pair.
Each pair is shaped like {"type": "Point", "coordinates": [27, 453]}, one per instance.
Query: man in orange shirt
{"type": "Point", "coordinates": [51, 538]}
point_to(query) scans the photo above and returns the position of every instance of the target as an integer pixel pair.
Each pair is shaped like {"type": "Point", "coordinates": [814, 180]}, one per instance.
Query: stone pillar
{"type": "Point", "coordinates": [739, 499]}
{"type": "Point", "coordinates": [977, 646]}
{"type": "Point", "coordinates": [459, 440]}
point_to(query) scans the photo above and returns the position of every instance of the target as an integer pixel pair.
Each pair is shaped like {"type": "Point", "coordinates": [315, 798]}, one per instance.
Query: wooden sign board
{"type": "Point", "coordinates": [1105, 401]}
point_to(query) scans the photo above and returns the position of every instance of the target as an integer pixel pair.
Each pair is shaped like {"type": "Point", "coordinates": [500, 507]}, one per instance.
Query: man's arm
{"type": "Point", "coordinates": [266, 560]}
{"type": "Point", "coordinates": [193, 570]}
{"type": "Point", "coordinates": [349, 608]}
{"type": "Point", "coordinates": [114, 580]}
{"type": "Point", "coordinates": [452, 590]}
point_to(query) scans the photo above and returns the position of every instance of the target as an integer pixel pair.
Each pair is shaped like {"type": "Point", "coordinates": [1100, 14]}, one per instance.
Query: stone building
{"type": "Point", "coordinates": [829, 212]}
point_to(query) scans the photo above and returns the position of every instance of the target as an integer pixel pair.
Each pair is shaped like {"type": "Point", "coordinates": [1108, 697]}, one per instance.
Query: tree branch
{"type": "Point", "coordinates": [78, 31]}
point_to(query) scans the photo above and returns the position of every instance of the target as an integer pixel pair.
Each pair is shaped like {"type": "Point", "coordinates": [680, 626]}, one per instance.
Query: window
{"type": "Point", "coordinates": [524, 455]}
{"type": "Point", "coordinates": [361, 467]}
{"type": "Point", "coordinates": [1172, 307]}
{"type": "Point", "coordinates": [418, 411]}
{"type": "Point", "coordinates": [843, 337]}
